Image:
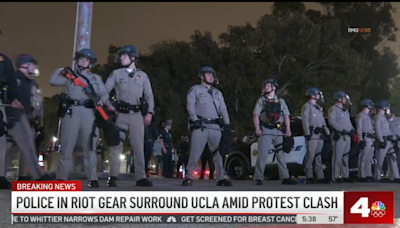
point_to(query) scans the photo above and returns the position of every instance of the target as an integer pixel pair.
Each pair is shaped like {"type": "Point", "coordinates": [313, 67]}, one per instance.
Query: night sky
{"type": "Point", "coordinates": [46, 30]}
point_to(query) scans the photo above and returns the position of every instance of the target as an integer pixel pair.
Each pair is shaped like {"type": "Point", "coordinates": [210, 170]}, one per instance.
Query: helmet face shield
{"type": "Point", "coordinates": [348, 101]}
{"type": "Point", "coordinates": [321, 97]}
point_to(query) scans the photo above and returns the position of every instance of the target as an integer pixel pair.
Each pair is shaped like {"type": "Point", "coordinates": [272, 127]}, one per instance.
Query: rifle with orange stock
{"type": "Point", "coordinates": [110, 130]}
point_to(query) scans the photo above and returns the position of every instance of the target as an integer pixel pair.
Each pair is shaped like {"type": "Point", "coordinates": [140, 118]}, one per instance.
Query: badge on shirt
{"type": "Point", "coordinates": [94, 79]}
{"type": "Point", "coordinates": [138, 77]}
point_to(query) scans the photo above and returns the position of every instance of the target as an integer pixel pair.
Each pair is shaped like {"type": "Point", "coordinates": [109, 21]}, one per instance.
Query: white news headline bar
{"type": "Point", "coordinates": [177, 202]}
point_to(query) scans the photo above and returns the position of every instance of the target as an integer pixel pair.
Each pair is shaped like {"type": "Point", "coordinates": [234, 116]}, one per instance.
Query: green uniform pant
{"type": "Point", "coordinates": [391, 160]}
{"type": "Point", "coordinates": [313, 158]}
{"type": "Point", "coordinates": [78, 124]}
{"type": "Point", "coordinates": [132, 122]}
{"type": "Point", "coordinates": [340, 157]}
{"type": "Point", "coordinates": [365, 157]}
{"type": "Point", "coordinates": [271, 139]}
{"type": "Point", "coordinates": [198, 142]}
{"type": "Point", "coordinates": [23, 136]}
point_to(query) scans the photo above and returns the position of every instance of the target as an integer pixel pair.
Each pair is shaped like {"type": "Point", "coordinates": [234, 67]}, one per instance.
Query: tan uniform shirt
{"type": "Point", "coordinates": [201, 103]}
{"type": "Point", "coordinates": [130, 89]}
{"type": "Point", "coordinates": [364, 124]}
{"type": "Point", "coordinates": [339, 119]}
{"type": "Point", "coordinates": [382, 127]}
{"type": "Point", "coordinates": [312, 116]}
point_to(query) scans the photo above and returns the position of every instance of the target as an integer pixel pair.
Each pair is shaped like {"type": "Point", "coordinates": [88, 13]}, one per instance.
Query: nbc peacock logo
{"type": "Point", "coordinates": [378, 209]}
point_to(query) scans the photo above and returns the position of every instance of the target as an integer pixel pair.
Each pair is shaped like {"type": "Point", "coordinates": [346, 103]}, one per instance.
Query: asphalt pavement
{"type": "Point", "coordinates": [173, 184]}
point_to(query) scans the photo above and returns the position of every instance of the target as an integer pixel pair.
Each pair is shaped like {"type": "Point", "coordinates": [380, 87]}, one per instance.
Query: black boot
{"type": "Point", "coordinates": [310, 181]}
{"type": "Point", "coordinates": [144, 183]}
{"type": "Point", "coordinates": [289, 181]}
{"type": "Point", "coordinates": [187, 182]}
{"type": "Point", "coordinates": [24, 178]}
{"type": "Point", "coordinates": [112, 182]}
{"type": "Point", "coordinates": [348, 180]}
{"type": "Point", "coordinates": [45, 177]}
{"type": "Point", "coordinates": [224, 182]}
{"type": "Point", "coordinates": [4, 183]}
{"type": "Point", "coordinates": [93, 184]}
{"type": "Point", "coordinates": [324, 181]}
{"type": "Point", "coordinates": [258, 182]}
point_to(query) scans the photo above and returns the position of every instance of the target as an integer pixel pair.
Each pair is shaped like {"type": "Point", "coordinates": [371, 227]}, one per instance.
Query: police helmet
{"type": "Point", "coordinates": [25, 58]}
{"type": "Point", "coordinates": [382, 104]}
{"type": "Point", "coordinates": [130, 50]}
{"type": "Point", "coordinates": [273, 81]}
{"type": "Point", "coordinates": [167, 123]}
{"type": "Point", "coordinates": [339, 95]}
{"type": "Point", "coordinates": [86, 53]}
{"type": "Point", "coordinates": [207, 69]}
{"type": "Point", "coordinates": [311, 91]}
{"type": "Point", "coordinates": [366, 102]}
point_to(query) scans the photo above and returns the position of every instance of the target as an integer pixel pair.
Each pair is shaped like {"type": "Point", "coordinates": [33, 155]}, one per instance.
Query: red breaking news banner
{"type": "Point", "coordinates": [46, 186]}
{"type": "Point", "coordinates": [368, 208]}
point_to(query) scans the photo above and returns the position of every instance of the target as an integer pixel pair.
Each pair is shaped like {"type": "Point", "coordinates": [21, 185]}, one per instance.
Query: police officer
{"type": "Point", "coordinates": [7, 79]}
{"type": "Point", "coordinates": [315, 129]}
{"type": "Point", "coordinates": [271, 120]}
{"type": "Point", "coordinates": [79, 118]}
{"type": "Point", "coordinates": [395, 127]}
{"type": "Point", "coordinates": [132, 85]}
{"type": "Point", "coordinates": [37, 120]}
{"type": "Point", "coordinates": [366, 136]}
{"type": "Point", "coordinates": [385, 137]}
{"type": "Point", "coordinates": [205, 106]}
{"type": "Point", "coordinates": [166, 145]}
{"type": "Point", "coordinates": [343, 132]}
{"type": "Point", "coordinates": [19, 116]}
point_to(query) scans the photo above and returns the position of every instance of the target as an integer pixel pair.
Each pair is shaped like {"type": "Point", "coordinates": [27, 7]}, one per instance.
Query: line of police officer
{"type": "Point", "coordinates": [315, 129]}
{"type": "Point", "coordinates": [209, 121]}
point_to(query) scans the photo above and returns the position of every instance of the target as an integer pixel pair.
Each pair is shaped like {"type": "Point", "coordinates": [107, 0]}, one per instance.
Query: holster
{"type": "Point", "coordinates": [336, 135]}
{"type": "Point", "coordinates": [288, 143]}
{"type": "Point", "coordinates": [144, 107]}
{"type": "Point", "coordinates": [13, 116]}
{"type": "Point", "coordinates": [124, 107]}
{"type": "Point", "coordinates": [63, 106]}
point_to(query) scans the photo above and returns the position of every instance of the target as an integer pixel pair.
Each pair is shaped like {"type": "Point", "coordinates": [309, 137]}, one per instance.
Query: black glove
{"type": "Point", "coordinates": [227, 128]}
{"type": "Point", "coordinates": [343, 132]}
{"type": "Point", "coordinates": [383, 144]}
{"type": "Point", "coordinates": [308, 137]}
{"type": "Point", "coordinates": [352, 133]}
{"type": "Point", "coordinates": [196, 124]}
{"type": "Point", "coordinates": [362, 144]}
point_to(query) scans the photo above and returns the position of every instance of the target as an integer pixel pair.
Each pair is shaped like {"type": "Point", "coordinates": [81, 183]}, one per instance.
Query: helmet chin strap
{"type": "Point", "coordinates": [267, 93]}
{"type": "Point", "coordinates": [81, 68]}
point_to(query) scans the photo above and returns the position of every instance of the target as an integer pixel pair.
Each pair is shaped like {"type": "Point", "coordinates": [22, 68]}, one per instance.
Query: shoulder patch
{"type": "Point", "coordinates": [305, 108]}
{"type": "Point", "coordinates": [190, 90]}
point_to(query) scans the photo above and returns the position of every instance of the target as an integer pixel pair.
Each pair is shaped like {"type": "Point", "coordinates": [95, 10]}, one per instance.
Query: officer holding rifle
{"type": "Point", "coordinates": [78, 116]}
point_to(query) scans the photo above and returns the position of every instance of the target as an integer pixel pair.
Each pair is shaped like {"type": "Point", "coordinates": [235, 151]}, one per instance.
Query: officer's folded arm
{"type": "Point", "coordinates": [56, 79]}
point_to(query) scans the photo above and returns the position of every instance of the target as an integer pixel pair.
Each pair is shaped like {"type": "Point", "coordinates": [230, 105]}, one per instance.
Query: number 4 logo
{"type": "Point", "coordinates": [361, 207]}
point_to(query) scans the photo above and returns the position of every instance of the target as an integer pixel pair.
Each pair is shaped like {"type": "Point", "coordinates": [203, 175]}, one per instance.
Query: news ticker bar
{"type": "Point", "coordinates": [180, 219]}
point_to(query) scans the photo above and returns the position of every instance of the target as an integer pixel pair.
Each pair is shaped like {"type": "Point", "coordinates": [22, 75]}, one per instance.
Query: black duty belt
{"type": "Point", "coordinates": [343, 133]}
{"type": "Point", "coordinates": [86, 103]}
{"type": "Point", "coordinates": [272, 125]}
{"type": "Point", "coordinates": [208, 121]}
{"type": "Point", "coordinates": [368, 135]}
{"type": "Point", "coordinates": [389, 138]}
{"type": "Point", "coordinates": [125, 108]}
{"type": "Point", "coordinates": [316, 130]}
